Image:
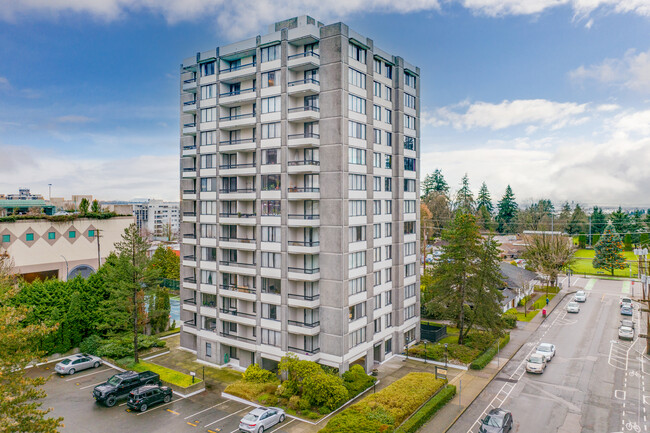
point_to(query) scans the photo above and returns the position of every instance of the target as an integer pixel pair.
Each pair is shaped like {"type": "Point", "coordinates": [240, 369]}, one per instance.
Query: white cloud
{"type": "Point", "coordinates": [631, 123]}
{"type": "Point", "coordinates": [4, 83]}
{"type": "Point", "coordinates": [73, 119]}
{"type": "Point", "coordinates": [632, 71]}
{"type": "Point", "coordinates": [531, 112]}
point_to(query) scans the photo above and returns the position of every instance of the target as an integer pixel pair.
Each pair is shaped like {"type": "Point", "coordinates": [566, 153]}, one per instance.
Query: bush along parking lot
{"type": "Point", "coordinates": [485, 358]}
{"type": "Point", "coordinates": [385, 410]}
{"type": "Point", "coordinates": [476, 342]}
{"type": "Point", "coordinates": [309, 389]}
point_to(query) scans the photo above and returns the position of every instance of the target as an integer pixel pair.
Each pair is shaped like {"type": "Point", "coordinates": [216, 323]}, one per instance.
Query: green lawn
{"type": "Point", "coordinates": [166, 374]}
{"type": "Point", "coordinates": [583, 265]}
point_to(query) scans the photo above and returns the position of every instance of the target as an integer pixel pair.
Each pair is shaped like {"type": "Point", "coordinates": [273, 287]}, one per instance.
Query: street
{"type": "Point", "coordinates": [595, 383]}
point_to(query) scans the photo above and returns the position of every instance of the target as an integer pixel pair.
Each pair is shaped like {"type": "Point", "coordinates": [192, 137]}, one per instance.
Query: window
{"type": "Point", "coordinates": [208, 184]}
{"type": "Point", "coordinates": [409, 185]}
{"type": "Point", "coordinates": [376, 254]}
{"type": "Point", "coordinates": [389, 93]}
{"type": "Point", "coordinates": [409, 227]}
{"type": "Point", "coordinates": [409, 291]}
{"type": "Point", "coordinates": [271, 130]}
{"type": "Point", "coordinates": [356, 104]}
{"type": "Point", "coordinates": [356, 260]}
{"type": "Point", "coordinates": [389, 230]}
{"type": "Point", "coordinates": [376, 231]}
{"type": "Point", "coordinates": [91, 233]}
{"type": "Point", "coordinates": [377, 136]}
{"type": "Point", "coordinates": [377, 89]}
{"type": "Point", "coordinates": [50, 235]}
{"type": "Point", "coordinates": [376, 183]}
{"type": "Point", "coordinates": [357, 78]}
{"type": "Point", "coordinates": [389, 117]}
{"type": "Point", "coordinates": [409, 80]}
{"type": "Point", "coordinates": [270, 337]}
{"type": "Point", "coordinates": [208, 137]}
{"type": "Point", "coordinates": [389, 139]}
{"type": "Point", "coordinates": [72, 234]}
{"type": "Point", "coordinates": [357, 311]}
{"type": "Point", "coordinates": [377, 278]}
{"type": "Point", "coordinates": [376, 207]}
{"type": "Point", "coordinates": [271, 105]}
{"type": "Point", "coordinates": [409, 121]}
{"type": "Point", "coordinates": [409, 101]}
{"type": "Point", "coordinates": [357, 208]}
{"type": "Point", "coordinates": [208, 208]}
{"type": "Point", "coordinates": [270, 260]}
{"type": "Point", "coordinates": [357, 337]}
{"type": "Point", "coordinates": [208, 254]}
{"type": "Point", "coordinates": [388, 71]}
{"type": "Point", "coordinates": [208, 277]}
{"type": "Point", "coordinates": [389, 252]}
{"type": "Point", "coordinates": [30, 237]}
{"type": "Point", "coordinates": [376, 112]}
{"type": "Point", "coordinates": [388, 345]}
{"type": "Point", "coordinates": [409, 270]}
{"type": "Point", "coordinates": [409, 312]}
{"type": "Point", "coordinates": [357, 285]}
{"type": "Point", "coordinates": [208, 350]}
{"type": "Point", "coordinates": [272, 286]}
{"type": "Point", "coordinates": [270, 311]}
{"type": "Point", "coordinates": [376, 159]}
{"type": "Point", "coordinates": [270, 234]}
{"type": "Point", "coordinates": [270, 53]}
{"type": "Point", "coordinates": [208, 114]}
{"type": "Point", "coordinates": [409, 206]}
{"type": "Point", "coordinates": [357, 233]}
{"type": "Point", "coordinates": [271, 208]}
{"type": "Point", "coordinates": [207, 69]}
{"type": "Point", "coordinates": [209, 231]}
{"type": "Point", "coordinates": [357, 53]}
{"type": "Point", "coordinates": [356, 156]}
{"type": "Point", "coordinates": [388, 298]}
{"type": "Point", "coordinates": [409, 248]}
{"type": "Point", "coordinates": [270, 182]}
{"type": "Point", "coordinates": [377, 326]}
{"type": "Point", "coordinates": [409, 164]}
{"type": "Point", "coordinates": [357, 182]}
{"type": "Point", "coordinates": [389, 207]}
{"type": "Point", "coordinates": [377, 66]}
{"type": "Point", "coordinates": [270, 156]}
{"type": "Point", "coordinates": [388, 184]}
{"type": "Point", "coordinates": [377, 301]}
{"type": "Point", "coordinates": [389, 320]}
{"type": "Point", "coordinates": [209, 91]}
{"type": "Point", "coordinates": [209, 161]}
{"type": "Point", "coordinates": [356, 130]}
{"type": "Point", "coordinates": [270, 79]}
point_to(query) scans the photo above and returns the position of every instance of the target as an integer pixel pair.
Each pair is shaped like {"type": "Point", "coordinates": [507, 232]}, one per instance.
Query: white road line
{"type": "Point", "coordinates": [92, 386]}
{"type": "Point", "coordinates": [123, 403]}
{"type": "Point", "coordinates": [227, 416]}
{"type": "Point", "coordinates": [281, 425]}
{"type": "Point", "coordinates": [162, 405]}
{"type": "Point", "coordinates": [204, 410]}
{"type": "Point", "coordinates": [84, 375]}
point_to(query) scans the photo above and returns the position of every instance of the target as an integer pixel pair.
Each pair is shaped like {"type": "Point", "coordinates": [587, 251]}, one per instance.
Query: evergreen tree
{"type": "Point", "coordinates": [598, 220]}
{"type": "Point", "coordinates": [564, 217]}
{"type": "Point", "coordinates": [578, 223]}
{"type": "Point", "coordinates": [83, 206]}
{"type": "Point", "coordinates": [507, 212]}
{"type": "Point", "coordinates": [609, 251]}
{"type": "Point", "coordinates": [434, 182]}
{"type": "Point", "coordinates": [484, 200]}
{"type": "Point", "coordinates": [464, 198]}
{"type": "Point", "coordinates": [427, 185]}
{"type": "Point", "coordinates": [96, 208]}
{"type": "Point", "coordinates": [621, 221]}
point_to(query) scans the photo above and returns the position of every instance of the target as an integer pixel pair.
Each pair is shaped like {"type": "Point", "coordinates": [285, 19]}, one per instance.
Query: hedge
{"type": "Point", "coordinates": [388, 408]}
{"type": "Point", "coordinates": [427, 411]}
{"type": "Point", "coordinates": [483, 360]}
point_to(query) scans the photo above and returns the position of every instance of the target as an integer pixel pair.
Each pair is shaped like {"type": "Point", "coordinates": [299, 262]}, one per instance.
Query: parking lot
{"type": "Point", "coordinates": [71, 397]}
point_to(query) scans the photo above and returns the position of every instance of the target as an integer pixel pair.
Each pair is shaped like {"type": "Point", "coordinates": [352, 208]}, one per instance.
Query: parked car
{"type": "Point", "coordinates": [572, 307]}
{"type": "Point", "coordinates": [257, 420]}
{"type": "Point", "coordinates": [547, 350]}
{"type": "Point", "coordinates": [580, 296]}
{"type": "Point", "coordinates": [497, 421]}
{"type": "Point", "coordinates": [74, 363]}
{"type": "Point", "coordinates": [627, 310]}
{"type": "Point", "coordinates": [625, 333]}
{"type": "Point", "coordinates": [121, 384]}
{"type": "Point", "coordinates": [625, 301]}
{"type": "Point", "coordinates": [628, 323]}
{"type": "Point", "coordinates": [536, 363]}
{"type": "Point", "coordinates": [146, 396]}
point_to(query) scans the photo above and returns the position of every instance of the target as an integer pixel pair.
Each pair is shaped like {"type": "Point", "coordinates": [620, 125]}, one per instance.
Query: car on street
{"type": "Point", "coordinates": [626, 311]}
{"type": "Point", "coordinates": [536, 363]}
{"type": "Point", "coordinates": [121, 384]}
{"type": "Point", "coordinates": [625, 301]}
{"type": "Point", "coordinates": [74, 363]}
{"type": "Point", "coordinates": [628, 323]}
{"type": "Point", "coordinates": [626, 333]}
{"type": "Point", "coordinates": [142, 398]}
{"type": "Point", "coordinates": [572, 307]}
{"type": "Point", "coordinates": [547, 350]}
{"type": "Point", "coordinates": [497, 421]}
{"type": "Point", "coordinates": [580, 296]}
{"type": "Point", "coordinates": [260, 419]}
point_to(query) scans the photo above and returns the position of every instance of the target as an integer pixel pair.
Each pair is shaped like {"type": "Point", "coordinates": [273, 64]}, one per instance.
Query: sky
{"type": "Point", "coordinates": [549, 96]}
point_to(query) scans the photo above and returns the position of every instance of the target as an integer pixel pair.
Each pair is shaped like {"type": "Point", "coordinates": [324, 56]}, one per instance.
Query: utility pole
{"type": "Point", "coordinates": [50, 187]}
{"type": "Point", "coordinates": [589, 229]}
{"type": "Point", "coordinates": [99, 255]}
{"type": "Point", "coordinates": [641, 253]}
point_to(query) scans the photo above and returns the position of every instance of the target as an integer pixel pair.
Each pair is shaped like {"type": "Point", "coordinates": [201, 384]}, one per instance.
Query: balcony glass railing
{"type": "Point", "coordinates": [304, 243]}
{"type": "Point", "coordinates": [189, 146]}
{"type": "Point", "coordinates": [307, 351]}
{"type": "Point", "coordinates": [304, 324]}
{"type": "Point", "coordinates": [190, 257]}
{"type": "Point", "coordinates": [237, 337]}
{"type": "Point", "coordinates": [301, 216]}
{"type": "Point", "coordinates": [237, 141]}
{"type": "Point", "coordinates": [304, 135]}
{"type": "Point", "coordinates": [237, 116]}
{"type": "Point", "coordinates": [237, 67]}
{"type": "Point", "coordinates": [304, 162]}
{"type": "Point", "coordinates": [236, 312]}
{"type": "Point", "coordinates": [240, 165]}
{"type": "Point", "coordinates": [303, 189]}
{"type": "Point", "coordinates": [237, 215]}
{"type": "Point", "coordinates": [234, 190]}
{"type": "Point", "coordinates": [237, 92]}
{"type": "Point", "coordinates": [190, 214]}
{"type": "Point", "coordinates": [190, 280]}
{"type": "Point", "coordinates": [190, 301]}
{"type": "Point", "coordinates": [304, 297]}
{"type": "Point", "coordinates": [236, 239]}
{"type": "Point", "coordinates": [305, 81]}
{"type": "Point", "coordinates": [189, 125]}
{"type": "Point", "coordinates": [242, 289]}
{"type": "Point", "coordinates": [305, 54]}
{"type": "Point", "coordinates": [189, 236]}
{"type": "Point", "coordinates": [304, 108]}
{"type": "Point", "coordinates": [188, 103]}
{"type": "Point", "coordinates": [235, 263]}
{"type": "Point", "coordinates": [191, 80]}
{"type": "Point", "coordinates": [189, 191]}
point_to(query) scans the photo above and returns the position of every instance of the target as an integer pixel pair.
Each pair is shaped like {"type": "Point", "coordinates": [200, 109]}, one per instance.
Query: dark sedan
{"type": "Point", "coordinates": [497, 421]}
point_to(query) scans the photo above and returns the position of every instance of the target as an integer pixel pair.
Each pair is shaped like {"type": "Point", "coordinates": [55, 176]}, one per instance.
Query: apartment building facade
{"type": "Point", "coordinates": [161, 219]}
{"type": "Point", "coordinates": [300, 205]}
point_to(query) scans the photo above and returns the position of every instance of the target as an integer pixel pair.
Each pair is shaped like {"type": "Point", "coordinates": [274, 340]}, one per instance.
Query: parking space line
{"type": "Point", "coordinates": [216, 405]}
{"type": "Point", "coordinates": [281, 425]}
{"type": "Point", "coordinates": [84, 375]}
{"type": "Point", "coordinates": [93, 385]}
{"type": "Point", "coordinates": [227, 416]}
{"type": "Point", "coordinates": [162, 405]}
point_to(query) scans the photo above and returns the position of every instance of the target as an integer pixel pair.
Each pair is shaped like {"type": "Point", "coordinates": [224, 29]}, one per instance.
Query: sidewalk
{"type": "Point", "coordinates": [475, 381]}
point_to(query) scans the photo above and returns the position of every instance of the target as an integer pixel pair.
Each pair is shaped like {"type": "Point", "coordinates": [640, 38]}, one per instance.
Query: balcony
{"type": "Point", "coordinates": [189, 217]}
{"type": "Point", "coordinates": [229, 99]}
{"type": "Point", "coordinates": [237, 243]}
{"type": "Point", "coordinates": [239, 144]}
{"type": "Point", "coordinates": [245, 342]}
{"type": "Point", "coordinates": [239, 292]}
{"type": "Point", "coordinates": [189, 128]}
{"type": "Point", "coordinates": [189, 238]}
{"type": "Point", "coordinates": [303, 301]}
{"type": "Point", "coordinates": [306, 139]}
{"type": "Point", "coordinates": [189, 194]}
{"type": "Point", "coordinates": [304, 247]}
{"type": "Point", "coordinates": [236, 316]}
{"type": "Point", "coordinates": [305, 87]}
{"type": "Point", "coordinates": [189, 172]}
{"type": "Point", "coordinates": [301, 351]}
{"type": "Point", "coordinates": [189, 106]}
{"type": "Point", "coordinates": [242, 169]}
{"type": "Point", "coordinates": [242, 218]}
{"type": "Point", "coordinates": [239, 73]}
{"type": "Point", "coordinates": [233, 267]}
{"type": "Point", "coordinates": [238, 193]}
{"type": "Point", "coordinates": [303, 166]}
{"type": "Point", "coordinates": [189, 150]}
{"type": "Point", "coordinates": [304, 220]}
{"type": "Point", "coordinates": [237, 121]}
{"type": "Point", "coordinates": [303, 274]}
{"type": "Point", "coordinates": [303, 328]}
{"type": "Point", "coordinates": [303, 193]}
{"type": "Point", "coordinates": [303, 61]}
{"type": "Point", "coordinates": [189, 85]}
{"type": "Point", "coordinates": [190, 280]}
{"type": "Point", "coordinates": [307, 113]}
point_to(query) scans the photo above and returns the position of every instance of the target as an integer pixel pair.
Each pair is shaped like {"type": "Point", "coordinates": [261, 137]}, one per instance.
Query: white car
{"type": "Point", "coordinates": [626, 333]}
{"type": "Point", "coordinates": [536, 363]}
{"type": "Point", "coordinates": [572, 307]}
{"type": "Point", "coordinates": [580, 296]}
{"type": "Point", "coordinates": [547, 350]}
{"type": "Point", "coordinates": [260, 419]}
{"type": "Point", "coordinates": [626, 302]}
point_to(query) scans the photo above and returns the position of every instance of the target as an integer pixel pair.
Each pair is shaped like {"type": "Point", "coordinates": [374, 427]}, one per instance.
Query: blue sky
{"type": "Point", "coordinates": [550, 97]}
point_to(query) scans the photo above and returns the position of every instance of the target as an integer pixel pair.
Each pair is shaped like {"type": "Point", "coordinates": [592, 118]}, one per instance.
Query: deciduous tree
{"type": "Point", "coordinates": [83, 206]}
{"type": "Point", "coordinates": [549, 254]}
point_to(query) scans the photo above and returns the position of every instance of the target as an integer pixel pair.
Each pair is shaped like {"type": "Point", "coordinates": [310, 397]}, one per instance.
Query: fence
{"type": "Point", "coordinates": [432, 332]}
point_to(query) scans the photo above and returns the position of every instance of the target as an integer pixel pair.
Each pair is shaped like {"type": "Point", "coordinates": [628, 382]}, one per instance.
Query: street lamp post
{"type": "Point", "coordinates": [67, 271]}
{"type": "Point", "coordinates": [425, 351]}
{"type": "Point", "coordinates": [445, 355]}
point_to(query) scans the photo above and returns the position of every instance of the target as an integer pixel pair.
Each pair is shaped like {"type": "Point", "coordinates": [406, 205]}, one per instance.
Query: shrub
{"type": "Point", "coordinates": [324, 389]}
{"type": "Point", "coordinates": [268, 399]}
{"type": "Point", "coordinates": [303, 404]}
{"type": "Point", "coordinates": [312, 415]}
{"type": "Point", "coordinates": [485, 358]}
{"type": "Point", "coordinates": [509, 320]}
{"type": "Point", "coordinates": [422, 416]}
{"type": "Point", "coordinates": [595, 239]}
{"type": "Point", "coordinates": [122, 346]}
{"type": "Point", "coordinates": [249, 390]}
{"type": "Point", "coordinates": [324, 411]}
{"type": "Point", "coordinates": [254, 373]}
{"type": "Point", "coordinates": [294, 403]}
{"type": "Point", "coordinates": [356, 380]}
{"type": "Point", "coordinates": [90, 344]}
{"type": "Point", "coordinates": [524, 300]}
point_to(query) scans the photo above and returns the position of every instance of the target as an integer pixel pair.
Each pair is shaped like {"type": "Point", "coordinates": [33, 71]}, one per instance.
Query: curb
{"type": "Point", "coordinates": [504, 364]}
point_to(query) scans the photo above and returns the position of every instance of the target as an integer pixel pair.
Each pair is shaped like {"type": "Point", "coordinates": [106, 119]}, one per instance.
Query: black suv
{"type": "Point", "coordinates": [141, 398]}
{"type": "Point", "coordinates": [119, 385]}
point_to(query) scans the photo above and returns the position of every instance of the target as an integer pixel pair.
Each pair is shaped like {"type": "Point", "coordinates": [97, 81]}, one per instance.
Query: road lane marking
{"type": "Point", "coordinates": [192, 424]}
{"type": "Point", "coordinates": [84, 375]}
{"type": "Point", "coordinates": [227, 416]}
{"type": "Point", "coordinates": [280, 425]}
{"type": "Point", "coordinates": [590, 284]}
{"type": "Point", "coordinates": [619, 394]}
{"type": "Point", "coordinates": [204, 410]}
{"type": "Point", "coordinates": [93, 385]}
{"type": "Point", "coordinates": [626, 287]}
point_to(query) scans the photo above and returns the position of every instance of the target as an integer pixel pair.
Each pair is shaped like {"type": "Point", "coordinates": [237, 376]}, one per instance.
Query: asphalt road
{"type": "Point", "coordinates": [595, 383]}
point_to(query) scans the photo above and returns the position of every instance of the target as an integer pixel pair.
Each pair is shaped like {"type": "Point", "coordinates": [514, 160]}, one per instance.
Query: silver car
{"type": "Point", "coordinates": [626, 333]}
{"type": "Point", "coordinates": [580, 296]}
{"type": "Point", "coordinates": [74, 363]}
{"type": "Point", "coordinates": [572, 307]}
{"type": "Point", "coordinates": [536, 363]}
{"type": "Point", "coordinates": [260, 419]}
{"type": "Point", "coordinates": [547, 350]}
